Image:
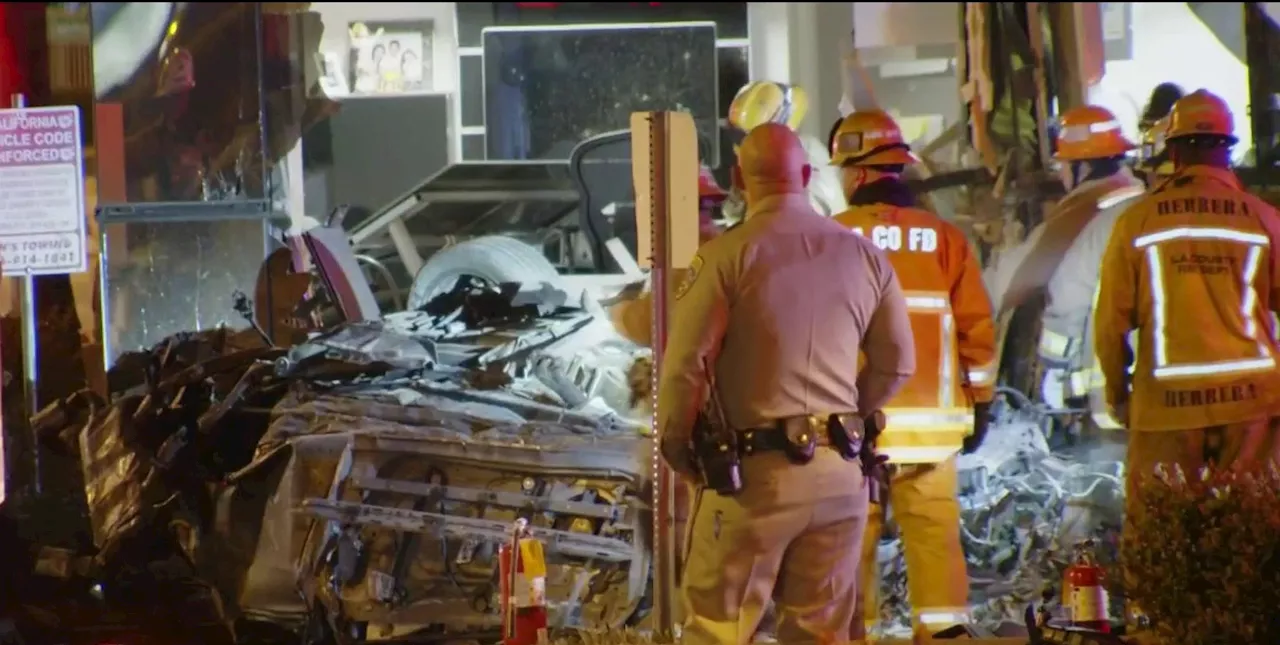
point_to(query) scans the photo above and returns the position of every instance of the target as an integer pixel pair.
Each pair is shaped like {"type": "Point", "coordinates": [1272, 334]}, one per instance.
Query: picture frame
{"type": "Point", "coordinates": [390, 57]}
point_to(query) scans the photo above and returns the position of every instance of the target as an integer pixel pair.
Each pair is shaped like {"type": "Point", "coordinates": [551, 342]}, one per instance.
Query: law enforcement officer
{"type": "Point", "coordinates": [779, 307]}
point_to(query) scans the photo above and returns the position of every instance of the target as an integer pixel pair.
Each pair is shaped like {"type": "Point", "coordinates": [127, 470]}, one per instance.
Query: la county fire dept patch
{"type": "Point", "coordinates": [690, 275]}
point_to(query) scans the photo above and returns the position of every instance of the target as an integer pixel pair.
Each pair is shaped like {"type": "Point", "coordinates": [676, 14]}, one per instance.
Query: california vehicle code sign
{"type": "Point", "coordinates": [42, 216]}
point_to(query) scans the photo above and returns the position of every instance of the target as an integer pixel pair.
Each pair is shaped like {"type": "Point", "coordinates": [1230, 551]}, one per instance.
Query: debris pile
{"type": "Point", "coordinates": [1023, 507]}
{"type": "Point", "coordinates": [359, 483]}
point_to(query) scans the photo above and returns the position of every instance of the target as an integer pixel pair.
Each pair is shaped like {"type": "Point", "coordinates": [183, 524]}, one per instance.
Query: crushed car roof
{"type": "Point", "coordinates": [480, 198]}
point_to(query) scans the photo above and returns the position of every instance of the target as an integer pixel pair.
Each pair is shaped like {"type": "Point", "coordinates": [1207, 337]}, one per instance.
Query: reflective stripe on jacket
{"type": "Point", "coordinates": [951, 325]}
{"type": "Point", "coordinates": [1070, 293]}
{"type": "Point", "coordinates": [1192, 266]}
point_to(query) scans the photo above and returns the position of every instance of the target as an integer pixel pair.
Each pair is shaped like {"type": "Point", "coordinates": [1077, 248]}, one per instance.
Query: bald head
{"type": "Point", "coordinates": [772, 161]}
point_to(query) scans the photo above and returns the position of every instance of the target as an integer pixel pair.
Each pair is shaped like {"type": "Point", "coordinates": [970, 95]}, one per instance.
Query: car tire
{"type": "Point", "coordinates": [497, 258]}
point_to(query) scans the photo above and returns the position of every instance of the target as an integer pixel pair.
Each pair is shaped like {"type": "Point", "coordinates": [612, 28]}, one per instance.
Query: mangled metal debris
{"type": "Point", "coordinates": [1023, 506]}
{"type": "Point", "coordinates": [360, 482]}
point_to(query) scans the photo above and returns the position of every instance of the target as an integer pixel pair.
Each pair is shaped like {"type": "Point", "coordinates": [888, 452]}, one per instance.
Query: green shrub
{"type": "Point", "coordinates": [1202, 557]}
{"type": "Point", "coordinates": [611, 637]}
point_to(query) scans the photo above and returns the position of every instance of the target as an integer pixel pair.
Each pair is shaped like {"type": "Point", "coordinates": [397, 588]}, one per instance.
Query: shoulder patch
{"type": "Point", "coordinates": [690, 275]}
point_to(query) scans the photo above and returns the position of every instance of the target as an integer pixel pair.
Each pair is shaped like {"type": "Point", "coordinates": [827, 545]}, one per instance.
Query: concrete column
{"type": "Point", "coordinates": [833, 22]}
{"type": "Point", "coordinates": [768, 28]}
{"type": "Point", "coordinates": [803, 43]}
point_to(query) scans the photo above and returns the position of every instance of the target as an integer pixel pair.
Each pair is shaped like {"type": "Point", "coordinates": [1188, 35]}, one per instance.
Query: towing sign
{"type": "Point", "coordinates": [43, 226]}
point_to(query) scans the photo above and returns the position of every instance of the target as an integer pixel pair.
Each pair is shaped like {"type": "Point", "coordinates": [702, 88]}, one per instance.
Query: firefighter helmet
{"type": "Point", "coordinates": [709, 189]}
{"type": "Point", "coordinates": [1201, 113]}
{"type": "Point", "coordinates": [869, 138]}
{"type": "Point", "coordinates": [1090, 132]}
{"type": "Point", "coordinates": [1151, 154]}
{"type": "Point", "coordinates": [761, 102]}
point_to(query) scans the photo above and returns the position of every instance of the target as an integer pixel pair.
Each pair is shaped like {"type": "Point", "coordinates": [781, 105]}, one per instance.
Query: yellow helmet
{"type": "Point", "coordinates": [761, 102]}
{"type": "Point", "coordinates": [870, 138]}
{"type": "Point", "coordinates": [1151, 154]}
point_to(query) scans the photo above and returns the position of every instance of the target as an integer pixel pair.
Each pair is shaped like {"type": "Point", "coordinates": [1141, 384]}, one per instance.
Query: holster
{"type": "Point", "coordinates": [718, 458]}
{"type": "Point", "coordinates": [874, 467]}
{"type": "Point", "coordinates": [802, 439]}
{"type": "Point", "coordinates": [845, 431]}
{"type": "Point", "coordinates": [878, 482]}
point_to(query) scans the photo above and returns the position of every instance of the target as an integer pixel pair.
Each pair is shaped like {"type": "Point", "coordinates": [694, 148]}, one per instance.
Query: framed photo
{"type": "Point", "coordinates": [388, 58]}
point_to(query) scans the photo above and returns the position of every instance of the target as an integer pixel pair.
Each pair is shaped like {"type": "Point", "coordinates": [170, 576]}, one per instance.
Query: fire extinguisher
{"type": "Point", "coordinates": [1083, 593]}
{"type": "Point", "coordinates": [523, 570]}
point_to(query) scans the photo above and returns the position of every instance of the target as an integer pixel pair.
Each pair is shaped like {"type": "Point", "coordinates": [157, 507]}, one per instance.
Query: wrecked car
{"type": "Point", "coordinates": [357, 484]}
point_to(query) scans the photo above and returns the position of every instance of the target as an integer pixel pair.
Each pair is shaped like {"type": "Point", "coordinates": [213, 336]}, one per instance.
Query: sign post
{"type": "Point", "coordinates": [664, 168]}
{"type": "Point", "coordinates": [42, 213]}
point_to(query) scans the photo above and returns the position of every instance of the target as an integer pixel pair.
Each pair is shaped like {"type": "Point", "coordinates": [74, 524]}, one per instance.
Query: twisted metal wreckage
{"type": "Point", "coordinates": [358, 484]}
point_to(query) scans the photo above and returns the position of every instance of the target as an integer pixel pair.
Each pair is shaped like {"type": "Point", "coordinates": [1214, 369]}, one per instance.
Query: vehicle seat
{"type": "Point", "coordinates": [600, 168]}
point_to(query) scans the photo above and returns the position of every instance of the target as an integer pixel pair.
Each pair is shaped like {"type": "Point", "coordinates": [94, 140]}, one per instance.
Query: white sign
{"type": "Point", "coordinates": [42, 212]}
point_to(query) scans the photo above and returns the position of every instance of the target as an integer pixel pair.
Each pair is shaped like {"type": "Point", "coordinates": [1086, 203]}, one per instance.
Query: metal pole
{"type": "Point", "coordinates": [29, 341]}
{"type": "Point", "coordinates": [30, 370]}
{"type": "Point", "coordinates": [663, 479]}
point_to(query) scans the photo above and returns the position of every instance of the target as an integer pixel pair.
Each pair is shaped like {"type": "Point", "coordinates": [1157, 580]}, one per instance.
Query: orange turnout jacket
{"type": "Point", "coordinates": [1192, 266]}
{"type": "Point", "coordinates": [951, 322]}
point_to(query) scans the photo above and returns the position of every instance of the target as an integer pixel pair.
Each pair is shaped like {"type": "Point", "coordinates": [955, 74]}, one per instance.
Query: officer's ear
{"type": "Point", "coordinates": [806, 172]}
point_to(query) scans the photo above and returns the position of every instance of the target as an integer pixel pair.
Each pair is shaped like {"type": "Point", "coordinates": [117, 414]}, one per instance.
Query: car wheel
{"type": "Point", "coordinates": [497, 258]}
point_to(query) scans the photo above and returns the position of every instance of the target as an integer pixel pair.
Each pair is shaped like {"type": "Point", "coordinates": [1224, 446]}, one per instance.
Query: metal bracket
{"type": "Point", "coordinates": [477, 496]}
{"type": "Point", "coordinates": [174, 212]}
{"type": "Point", "coordinates": [461, 528]}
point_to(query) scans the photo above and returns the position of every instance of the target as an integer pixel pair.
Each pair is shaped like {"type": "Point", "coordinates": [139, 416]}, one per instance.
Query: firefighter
{"type": "Point", "coordinates": [632, 316]}
{"type": "Point", "coordinates": [1153, 157]}
{"type": "Point", "coordinates": [1090, 152]}
{"type": "Point", "coordinates": [943, 408]}
{"type": "Point", "coordinates": [1159, 104]}
{"type": "Point", "coordinates": [1153, 163]}
{"type": "Point", "coordinates": [1193, 267]}
{"type": "Point", "coordinates": [762, 102]}
{"type": "Point", "coordinates": [778, 307]}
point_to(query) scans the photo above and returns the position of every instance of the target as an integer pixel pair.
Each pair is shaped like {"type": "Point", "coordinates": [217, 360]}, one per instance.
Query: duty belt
{"type": "Point", "coordinates": [775, 436]}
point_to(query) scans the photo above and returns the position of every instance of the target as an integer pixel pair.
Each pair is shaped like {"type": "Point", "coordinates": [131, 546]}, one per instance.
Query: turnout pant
{"type": "Point", "coordinates": [1240, 446]}
{"type": "Point", "coordinates": [924, 502]}
{"type": "Point", "coordinates": [798, 527]}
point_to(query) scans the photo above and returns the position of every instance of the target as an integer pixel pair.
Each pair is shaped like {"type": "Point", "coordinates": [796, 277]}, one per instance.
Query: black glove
{"type": "Point", "coordinates": [981, 419]}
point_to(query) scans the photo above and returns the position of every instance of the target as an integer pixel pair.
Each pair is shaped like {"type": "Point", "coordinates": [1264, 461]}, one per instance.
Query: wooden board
{"type": "Point", "coordinates": [664, 167]}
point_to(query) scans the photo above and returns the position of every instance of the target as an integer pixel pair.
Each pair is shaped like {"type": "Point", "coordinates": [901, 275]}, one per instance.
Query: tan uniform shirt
{"type": "Point", "coordinates": [780, 306]}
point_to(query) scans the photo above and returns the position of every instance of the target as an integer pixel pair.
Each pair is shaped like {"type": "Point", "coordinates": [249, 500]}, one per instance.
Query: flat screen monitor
{"type": "Point", "coordinates": [548, 88]}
